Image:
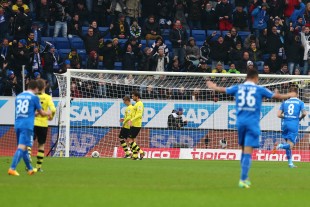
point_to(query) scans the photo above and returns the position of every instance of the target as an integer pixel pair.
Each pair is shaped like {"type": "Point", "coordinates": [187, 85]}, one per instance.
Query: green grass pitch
{"type": "Point", "coordinates": [84, 182]}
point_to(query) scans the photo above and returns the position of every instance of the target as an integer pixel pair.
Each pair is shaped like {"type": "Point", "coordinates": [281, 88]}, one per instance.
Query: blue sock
{"type": "Point", "coordinates": [245, 166]}
{"type": "Point", "coordinates": [16, 158]}
{"type": "Point", "coordinates": [242, 155]}
{"type": "Point", "coordinates": [289, 156]}
{"type": "Point", "coordinates": [285, 146]}
{"type": "Point", "coordinates": [27, 160]}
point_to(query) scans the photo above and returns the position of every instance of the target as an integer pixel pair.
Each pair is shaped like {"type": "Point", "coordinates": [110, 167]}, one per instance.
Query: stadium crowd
{"type": "Point", "coordinates": [219, 36]}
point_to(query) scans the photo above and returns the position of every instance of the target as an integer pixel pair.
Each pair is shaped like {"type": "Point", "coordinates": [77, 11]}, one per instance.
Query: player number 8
{"type": "Point", "coordinates": [22, 106]}
{"type": "Point", "coordinates": [290, 110]}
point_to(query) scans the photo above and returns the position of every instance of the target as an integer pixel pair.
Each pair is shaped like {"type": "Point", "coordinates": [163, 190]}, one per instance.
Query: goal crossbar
{"type": "Point", "coordinates": [190, 81]}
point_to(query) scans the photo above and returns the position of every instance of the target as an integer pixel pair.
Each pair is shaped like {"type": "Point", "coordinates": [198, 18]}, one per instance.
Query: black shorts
{"type": "Point", "coordinates": [134, 131]}
{"type": "Point", "coordinates": [40, 133]}
{"type": "Point", "coordinates": [124, 133]}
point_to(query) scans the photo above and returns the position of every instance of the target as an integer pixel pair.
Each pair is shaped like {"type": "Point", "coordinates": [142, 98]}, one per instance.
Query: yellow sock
{"type": "Point", "coordinates": [124, 146]}
{"type": "Point", "coordinates": [40, 157]}
{"type": "Point", "coordinates": [134, 147]}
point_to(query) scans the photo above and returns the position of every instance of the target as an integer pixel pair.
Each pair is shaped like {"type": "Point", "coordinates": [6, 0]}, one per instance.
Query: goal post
{"type": "Point", "coordinates": [94, 106]}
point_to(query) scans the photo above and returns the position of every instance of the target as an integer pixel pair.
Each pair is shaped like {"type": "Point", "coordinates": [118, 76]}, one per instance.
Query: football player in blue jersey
{"type": "Point", "coordinates": [249, 97]}
{"type": "Point", "coordinates": [291, 112]}
{"type": "Point", "coordinates": [26, 106]}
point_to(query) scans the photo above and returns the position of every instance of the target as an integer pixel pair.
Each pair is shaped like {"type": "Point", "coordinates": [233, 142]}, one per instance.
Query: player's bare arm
{"type": "Point", "coordinates": [44, 113]}
{"type": "Point", "coordinates": [213, 86]}
{"type": "Point", "coordinates": [280, 114]}
{"type": "Point", "coordinates": [303, 115]}
{"type": "Point", "coordinates": [283, 96]}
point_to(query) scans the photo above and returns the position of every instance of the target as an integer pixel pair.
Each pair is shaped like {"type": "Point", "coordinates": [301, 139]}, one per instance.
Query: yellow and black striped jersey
{"type": "Point", "coordinates": [137, 114]}
{"type": "Point", "coordinates": [46, 103]}
{"type": "Point", "coordinates": [128, 116]}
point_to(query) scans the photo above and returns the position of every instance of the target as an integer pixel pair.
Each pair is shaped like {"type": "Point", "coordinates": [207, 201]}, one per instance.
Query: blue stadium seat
{"type": "Point", "coordinates": [77, 43]}
{"type": "Point", "coordinates": [122, 42]}
{"type": "Point", "coordinates": [169, 45]}
{"type": "Point", "coordinates": [83, 54]}
{"type": "Point", "coordinates": [51, 30]}
{"type": "Point", "coordinates": [47, 39]}
{"type": "Point", "coordinates": [199, 35]}
{"type": "Point", "coordinates": [165, 33]}
{"type": "Point", "coordinates": [143, 42]}
{"type": "Point", "coordinates": [224, 33]}
{"type": "Point", "coordinates": [243, 34]}
{"type": "Point", "coordinates": [100, 65]}
{"type": "Point", "coordinates": [104, 29]}
{"type": "Point", "coordinates": [84, 30]}
{"type": "Point", "coordinates": [218, 33]}
{"type": "Point", "coordinates": [61, 43]}
{"type": "Point", "coordinates": [188, 32]}
{"type": "Point", "coordinates": [63, 53]}
{"type": "Point", "coordinates": [199, 43]}
{"type": "Point", "coordinates": [118, 66]}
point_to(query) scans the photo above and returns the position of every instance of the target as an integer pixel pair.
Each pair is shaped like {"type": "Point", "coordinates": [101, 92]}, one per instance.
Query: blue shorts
{"type": "Point", "coordinates": [248, 136]}
{"type": "Point", "coordinates": [24, 136]}
{"type": "Point", "coordinates": [290, 132]}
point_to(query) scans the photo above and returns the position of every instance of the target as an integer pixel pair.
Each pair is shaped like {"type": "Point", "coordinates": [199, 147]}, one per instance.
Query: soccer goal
{"type": "Point", "coordinates": [204, 125]}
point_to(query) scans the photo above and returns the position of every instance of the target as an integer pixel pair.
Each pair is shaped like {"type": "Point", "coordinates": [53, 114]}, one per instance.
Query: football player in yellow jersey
{"type": "Point", "coordinates": [135, 124]}
{"type": "Point", "coordinates": [41, 122]}
{"type": "Point", "coordinates": [124, 133]}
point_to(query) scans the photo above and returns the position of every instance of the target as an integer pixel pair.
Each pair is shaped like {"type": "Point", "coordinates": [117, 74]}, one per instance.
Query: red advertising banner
{"type": "Point", "coordinates": [217, 154]}
{"type": "Point", "coordinates": [161, 153]}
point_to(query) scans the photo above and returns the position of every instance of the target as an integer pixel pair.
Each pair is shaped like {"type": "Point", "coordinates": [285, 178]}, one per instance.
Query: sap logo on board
{"type": "Point", "coordinates": [88, 112]}
{"type": "Point", "coordinates": [232, 116]}
{"type": "Point", "coordinates": [196, 114]}
{"type": "Point", "coordinates": [150, 110]}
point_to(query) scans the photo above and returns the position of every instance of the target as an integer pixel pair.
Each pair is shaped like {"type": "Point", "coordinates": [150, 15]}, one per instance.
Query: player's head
{"type": "Point", "coordinates": [252, 75]}
{"type": "Point", "coordinates": [33, 86]}
{"type": "Point", "coordinates": [135, 95]}
{"type": "Point", "coordinates": [293, 89]}
{"type": "Point", "coordinates": [41, 85]}
{"type": "Point", "coordinates": [126, 100]}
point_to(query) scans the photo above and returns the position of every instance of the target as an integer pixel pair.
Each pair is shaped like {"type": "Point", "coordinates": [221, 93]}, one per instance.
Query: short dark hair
{"type": "Point", "coordinates": [293, 89]}
{"type": "Point", "coordinates": [251, 74]}
{"type": "Point", "coordinates": [126, 98]}
{"type": "Point", "coordinates": [41, 84]}
{"type": "Point", "coordinates": [33, 84]}
{"type": "Point", "coordinates": [136, 93]}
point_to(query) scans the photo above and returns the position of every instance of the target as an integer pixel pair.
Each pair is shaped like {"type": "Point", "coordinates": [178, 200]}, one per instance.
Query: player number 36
{"type": "Point", "coordinates": [246, 98]}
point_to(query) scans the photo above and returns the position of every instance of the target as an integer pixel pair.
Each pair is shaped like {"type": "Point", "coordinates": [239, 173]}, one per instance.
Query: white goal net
{"type": "Point", "coordinates": [204, 125]}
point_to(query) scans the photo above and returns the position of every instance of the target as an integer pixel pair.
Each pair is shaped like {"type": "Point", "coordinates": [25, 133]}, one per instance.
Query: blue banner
{"type": "Point", "coordinates": [175, 138]}
{"type": "Point", "coordinates": [197, 114]}
{"type": "Point", "coordinates": [81, 139]}
{"type": "Point", "coordinates": [87, 113]}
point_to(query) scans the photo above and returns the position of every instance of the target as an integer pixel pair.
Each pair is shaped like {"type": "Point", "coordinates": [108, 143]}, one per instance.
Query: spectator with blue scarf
{"type": "Point", "coordinates": [261, 18]}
